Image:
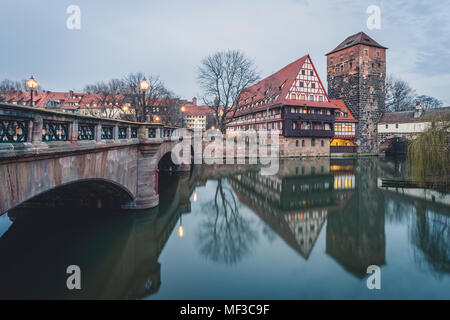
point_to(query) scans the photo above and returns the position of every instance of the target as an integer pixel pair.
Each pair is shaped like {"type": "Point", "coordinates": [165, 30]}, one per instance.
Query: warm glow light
{"type": "Point", "coordinates": [32, 83]}
{"type": "Point", "coordinates": [125, 108]}
{"type": "Point", "coordinates": [180, 231]}
{"type": "Point", "coordinates": [157, 118]}
{"type": "Point", "coordinates": [195, 197]}
{"type": "Point", "coordinates": [144, 85]}
{"type": "Point", "coordinates": [213, 128]}
{"type": "Point", "coordinates": [183, 109]}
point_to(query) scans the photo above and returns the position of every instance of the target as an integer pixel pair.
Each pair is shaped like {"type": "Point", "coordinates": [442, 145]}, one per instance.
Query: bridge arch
{"type": "Point", "coordinates": [394, 145]}
{"type": "Point", "coordinates": [84, 193]}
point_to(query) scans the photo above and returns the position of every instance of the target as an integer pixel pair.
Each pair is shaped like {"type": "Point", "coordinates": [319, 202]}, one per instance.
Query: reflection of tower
{"type": "Point", "coordinates": [355, 234]}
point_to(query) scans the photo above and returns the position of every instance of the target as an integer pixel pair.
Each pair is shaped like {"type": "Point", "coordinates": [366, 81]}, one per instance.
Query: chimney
{"type": "Point", "coordinates": [70, 94]}
{"type": "Point", "coordinates": [419, 111]}
{"type": "Point", "coordinates": [194, 101]}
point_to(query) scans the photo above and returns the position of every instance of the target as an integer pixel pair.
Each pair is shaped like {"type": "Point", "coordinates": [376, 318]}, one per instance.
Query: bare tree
{"type": "Point", "coordinates": [222, 77]}
{"type": "Point", "coordinates": [10, 85]}
{"type": "Point", "coordinates": [428, 102]}
{"type": "Point", "coordinates": [169, 109]}
{"type": "Point", "coordinates": [108, 98]}
{"type": "Point", "coordinates": [154, 96]}
{"type": "Point", "coordinates": [399, 95]}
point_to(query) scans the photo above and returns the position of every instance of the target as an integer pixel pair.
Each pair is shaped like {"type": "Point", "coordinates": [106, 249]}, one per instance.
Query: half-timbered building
{"type": "Point", "coordinates": [294, 103]}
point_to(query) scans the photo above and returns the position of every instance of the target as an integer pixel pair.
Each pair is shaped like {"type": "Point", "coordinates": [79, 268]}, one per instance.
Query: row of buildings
{"type": "Point", "coordinates": [115, 106]}
{"type": "Point", "coordinates": [349, 118]}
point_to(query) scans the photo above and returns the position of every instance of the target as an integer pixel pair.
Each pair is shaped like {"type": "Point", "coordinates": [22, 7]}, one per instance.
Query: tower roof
{"type": "Point", "coordinates": [353, 40]}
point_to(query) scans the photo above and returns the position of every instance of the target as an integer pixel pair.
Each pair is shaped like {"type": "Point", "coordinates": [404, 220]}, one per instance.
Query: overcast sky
{"type": "Point", "coordinates": [169, 38]}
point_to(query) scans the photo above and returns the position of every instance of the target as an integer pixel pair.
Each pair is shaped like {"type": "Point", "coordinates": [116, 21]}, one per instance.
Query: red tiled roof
{"type": "Point", "coordinates": [194, 110]}
{"type": "Point", "coordinates": [343, 109]}
{"type": "Point", "coordinates": [275, 88]}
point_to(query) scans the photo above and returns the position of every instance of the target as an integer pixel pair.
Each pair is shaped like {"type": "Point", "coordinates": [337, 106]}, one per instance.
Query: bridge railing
{"type": "Point", "coordinates": [20, 125]}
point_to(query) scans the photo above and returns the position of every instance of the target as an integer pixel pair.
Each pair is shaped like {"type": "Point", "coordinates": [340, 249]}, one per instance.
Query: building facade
{"type": "Point", "coordinates": [293, 103]}
{"type": "Point", "coordinates": [344, 130]}
{"type": "Point", "coordinates": [356, 74]}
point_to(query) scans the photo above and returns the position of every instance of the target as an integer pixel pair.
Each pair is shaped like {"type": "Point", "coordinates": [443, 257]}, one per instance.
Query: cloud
{"type": "Point", "coordinates": [171, 37]}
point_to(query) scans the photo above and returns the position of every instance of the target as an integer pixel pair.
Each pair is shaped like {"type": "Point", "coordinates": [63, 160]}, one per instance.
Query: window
{"type": "Point", "coordinates": [321, 143]}
{"type": "Point", "coordinates": [301, 84]}
{"type": "Point", "coordinates": [311, 73]}
{"type": "Point", "coordinates": [313, 85]}
{"type": "Point", "coordinates": [342, 57]}
{"type": "Point", "coordinates": [296, 143]}
{"type": "Point", "coordinates": [303, 144]}
{"type": "Point", "coordinates": [320, 98]}
{"type": "Point", "coordinates": [366, 52]}
{"type": "Point", "coordinates": [313, 142]}
{"type": "Point", "coordinates": [396, 126]}
{"type": "Point", "coordinates": [345, 115]}
{"type": "Point", "coordinates": [378, 54]}
{"type": "Point", "coordinates": [302, 97]}
{"type": "Point", "coordinates": [303, 72]}
{"type": "Point", "coordinates": [332, 60]}
{"type": "Point", "coordinates": [351, 54]}
{"type": "Point", "coordinates": [387, 126]}
{"type": "Point", "coordinates": [311, 98]}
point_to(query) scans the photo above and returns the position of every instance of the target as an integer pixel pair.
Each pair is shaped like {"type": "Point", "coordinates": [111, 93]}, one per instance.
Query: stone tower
{"type": "Point", "coordinates": [356, 74]}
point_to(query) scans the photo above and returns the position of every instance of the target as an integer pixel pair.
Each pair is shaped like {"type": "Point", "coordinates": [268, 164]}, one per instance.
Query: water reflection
{"type": "Point", "coordinates": [225, 235]}
{"type": "Point", "coordinates": [334, 210]}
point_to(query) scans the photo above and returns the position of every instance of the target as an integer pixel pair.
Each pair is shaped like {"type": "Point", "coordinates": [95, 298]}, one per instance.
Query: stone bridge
{"type": "Point", "coordinates": [47, 155]}
{"type": "Point", "coordinates": [397, 141]}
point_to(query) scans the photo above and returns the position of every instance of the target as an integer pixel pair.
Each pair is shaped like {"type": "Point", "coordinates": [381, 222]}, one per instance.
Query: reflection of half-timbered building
{"type": "Point", "coordinates": [293, 102]}
{"type": "Point", "coordinates": [296, 202]}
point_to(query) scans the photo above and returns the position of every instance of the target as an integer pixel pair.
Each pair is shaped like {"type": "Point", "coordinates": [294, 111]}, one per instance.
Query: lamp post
{"type": "Point", "coordinates": [32, 85]}
{"type": "Point", "coordinates": [182, 109]}
{"type": "Point", "coordinates": [144, 85]}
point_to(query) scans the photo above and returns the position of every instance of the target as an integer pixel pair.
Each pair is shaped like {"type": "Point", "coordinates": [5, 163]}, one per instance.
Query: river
{"type": "Point", "coordinates": [309, 232]}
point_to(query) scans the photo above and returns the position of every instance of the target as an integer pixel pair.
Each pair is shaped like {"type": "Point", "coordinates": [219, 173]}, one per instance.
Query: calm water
{"type": "Point", "coordinates": [309, 232]}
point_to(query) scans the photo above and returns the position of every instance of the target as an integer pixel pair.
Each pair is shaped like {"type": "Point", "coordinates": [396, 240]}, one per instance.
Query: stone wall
{"type": "Point", "coordinates": [359, 80]}
{"type": "Point", "coordinates": [293, 147]}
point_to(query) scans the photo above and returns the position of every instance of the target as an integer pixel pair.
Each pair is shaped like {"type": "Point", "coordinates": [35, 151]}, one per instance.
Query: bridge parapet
{"type": "Point", "coordinates": [41, 150]}
{"type": "Point", "coordinates": [31, 131]}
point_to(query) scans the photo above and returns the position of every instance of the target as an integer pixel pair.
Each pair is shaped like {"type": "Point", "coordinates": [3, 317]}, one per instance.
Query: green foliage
{"type": "Point", "coordinates": [429, 153]}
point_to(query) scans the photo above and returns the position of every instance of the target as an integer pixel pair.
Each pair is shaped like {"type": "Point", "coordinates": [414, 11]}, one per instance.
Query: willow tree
{"type": "Point", "coordinates": [429, 153]}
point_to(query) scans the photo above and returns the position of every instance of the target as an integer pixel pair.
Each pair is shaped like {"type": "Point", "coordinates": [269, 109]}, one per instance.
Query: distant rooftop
{"type": "Point", "coordinates": [408, 116]}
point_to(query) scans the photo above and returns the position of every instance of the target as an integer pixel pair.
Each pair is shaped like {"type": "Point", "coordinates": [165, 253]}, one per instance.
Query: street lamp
{"type": "Point", "coordinates": [32, 85]}
{"type": "Point", "coordinates": [144, 85]}
{"type": "Point", "coordinates": [182, 109]}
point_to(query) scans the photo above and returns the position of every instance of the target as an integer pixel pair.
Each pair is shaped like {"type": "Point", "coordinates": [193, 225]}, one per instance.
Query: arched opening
{"type": "Point", "coordinates": [92, 193]}
{"type": "Point", "coordinates": [166, 163]}
{"type": "Point", "coordinates": [394, 146]}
